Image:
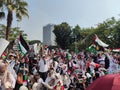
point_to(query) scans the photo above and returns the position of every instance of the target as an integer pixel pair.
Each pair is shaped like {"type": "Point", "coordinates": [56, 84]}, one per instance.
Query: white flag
{"type": "Point", "coordinates": [35, 48]}
{"type": "Point", "coordinates": [3, 44]}
{"type": "Point", "coordinates": [101, 43]}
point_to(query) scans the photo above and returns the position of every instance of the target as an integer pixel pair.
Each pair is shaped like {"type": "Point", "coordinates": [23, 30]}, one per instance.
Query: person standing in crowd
{"type": "Point", "coordinates": [70, 63]}
{"type": "Point", "coordinates": [10, 63]}
{"type": "Point", "coordinates": [7, 79]}
{"type": "Point", "coordinates": [11, 59]}
{"type": "Point", "coordinates": [55, 62]}
{"type": "Point", "coordinates": [81, 63]}
{"type": "Point", "coordinates": [66, 80]}
{"type": "Point", "coordinates": [23, 69]}
{"type": "Point", "coordinates": [31, 56]}
{"type": "Point", "coordinates": [113, 66]}
{"type": "Point", "coordinates": [58, 85]}
{"type": "Point", "coordinates": [16, 66]}
{"type": "Point", "coordinates": [50, 77]}
{"type": "Point", "coordinates": [43, 65]}
{"type": "Point", "coordinates": [102, 69]}
{"type": "Point", "coordinates": [91, 68]}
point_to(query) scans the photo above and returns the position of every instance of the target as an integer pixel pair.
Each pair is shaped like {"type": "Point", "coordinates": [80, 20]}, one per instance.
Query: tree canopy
{"type": "Point", "coordinates": [108, 31]}
{"type": "Point", "coordinates": [16, 31]}
{"type": "Point", "coordinates": [62, 33]}
{"type": "Point", "coordinates": [19, 7]}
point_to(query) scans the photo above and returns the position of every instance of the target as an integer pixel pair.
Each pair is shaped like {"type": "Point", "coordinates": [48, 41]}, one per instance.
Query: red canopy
{"type": "Point", "coordinates": [107, 82]}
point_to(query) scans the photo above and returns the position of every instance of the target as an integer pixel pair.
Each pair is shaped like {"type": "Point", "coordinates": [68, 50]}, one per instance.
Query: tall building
{"type": "Point", "coordinates": [48, 35]}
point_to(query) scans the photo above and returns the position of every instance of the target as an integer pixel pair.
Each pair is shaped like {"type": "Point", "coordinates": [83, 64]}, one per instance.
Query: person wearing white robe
{"type": "Point", "coordinates": [7, 79]}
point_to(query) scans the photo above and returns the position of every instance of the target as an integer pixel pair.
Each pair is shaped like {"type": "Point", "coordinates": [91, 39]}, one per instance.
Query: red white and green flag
{"type": "Point", "coordinates": [116, 50]}
{"type": "Point", "coordinates": [101, 43]}
{"type": "Point", "coordinates": [22, 44]}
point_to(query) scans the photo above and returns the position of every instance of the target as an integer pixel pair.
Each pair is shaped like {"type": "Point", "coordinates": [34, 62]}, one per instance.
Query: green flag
{"type": "Point", "coordinates": [92, 49]}
{"type": "Point", "coordinates": [68, 56]}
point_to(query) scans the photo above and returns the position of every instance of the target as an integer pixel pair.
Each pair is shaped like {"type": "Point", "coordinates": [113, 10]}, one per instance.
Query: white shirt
{"type": "Point", "coordinates": [92, 66]}
{"type": "Point", "coordinates": [66, 80]}
{"type": "Point", "coordinates": [12, 71]}
{"type": "Point", "coordinates": [48, 79]}
{"type": "Point", "coordinates": [43, 67]}
{"type": "Point", "coordinates": [10, 80]}
{"type": "Point", "coordinates": [40, 80]}
{"type": "Point", "coordinates": [81, 65]}
{"type": "Point", "coordinates": [56, 65]}
{"type": "Point", "coordinates": [113, 68]}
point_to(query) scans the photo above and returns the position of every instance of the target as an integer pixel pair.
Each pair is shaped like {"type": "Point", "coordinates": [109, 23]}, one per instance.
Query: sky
{"type": "Point", "coordinates": [85, 13]}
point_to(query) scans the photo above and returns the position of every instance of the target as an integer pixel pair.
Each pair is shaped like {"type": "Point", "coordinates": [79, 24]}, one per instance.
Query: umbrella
{"type": "Point", "coordinates": [107, 82]}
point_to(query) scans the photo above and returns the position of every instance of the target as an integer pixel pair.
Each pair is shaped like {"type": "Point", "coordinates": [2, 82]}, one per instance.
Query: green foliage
{"type": "Point", "coordinates": [62, 33]}
{"type": "Point", "coordinates": [17, 7]}
{"type": "Point", "coordinates": [76, 34]}
{"type": "Point", "coordinates": [108, 32]}
{"type": "Point", "coordinates": [34, 41]}
{"type": "Point", "coordinates": [81, 38]}
{"type": "Point", "coordinates": [13, 33]}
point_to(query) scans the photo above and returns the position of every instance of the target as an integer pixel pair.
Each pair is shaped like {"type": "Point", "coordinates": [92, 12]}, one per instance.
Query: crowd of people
{"type": "Point", "coordinates": [55, 69]}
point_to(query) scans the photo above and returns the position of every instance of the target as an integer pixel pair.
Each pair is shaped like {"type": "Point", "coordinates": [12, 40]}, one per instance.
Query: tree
{"type": "Point", "coordinates": [75, 38]}
{"type": "Point", "coordinates": [87, 37]}
{"type": "Point", "coordinates": [108, 31]}
{"type": "Point", "coordinates": [13, 33]}
{"type": "Point", "coordinates": [117, 34]}
{"type": "Point", "coordinates": [63, 35]}
{"type": "Point", "coordinates": [76, 33]}
{"type": "Point", "coordinates": [17, 6]}
{"type": "Point", "coordinates": [2, 31]}
{"type": "Point", "coordinates": [34, 41]}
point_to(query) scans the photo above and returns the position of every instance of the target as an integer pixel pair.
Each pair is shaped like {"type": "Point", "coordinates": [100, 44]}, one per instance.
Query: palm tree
{"type": "Point", "coordinates": [14, 32]}
{"type": "Point", "coordinates": [2, 31]}
{"type": "Point", "coordinates": [19, 7]}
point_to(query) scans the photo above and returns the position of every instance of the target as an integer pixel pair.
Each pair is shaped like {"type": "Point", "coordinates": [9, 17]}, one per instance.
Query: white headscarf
{"type": "Point", "coordinates": [23, 88]}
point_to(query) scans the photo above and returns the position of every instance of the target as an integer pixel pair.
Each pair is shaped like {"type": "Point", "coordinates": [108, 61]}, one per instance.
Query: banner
{"type": "Point", "coordinates": [35, 48]}
{"type": "Point", "coordinates": [3, 44]}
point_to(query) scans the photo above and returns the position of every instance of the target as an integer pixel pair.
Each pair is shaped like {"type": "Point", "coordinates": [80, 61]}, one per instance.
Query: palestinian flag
{"type": "Point", "coordinates": [23, 46]}
{"type": "Point", "coordinates": [116, 50]}
{"type": "Point", "coordinates": [101, 43]}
